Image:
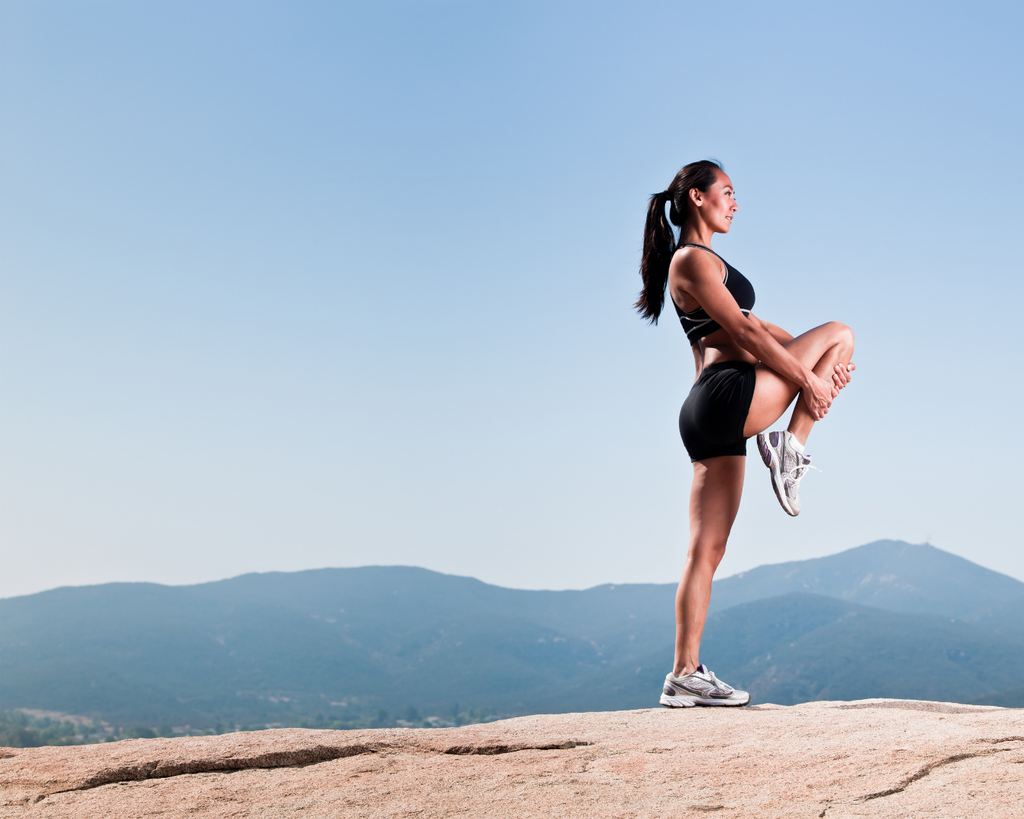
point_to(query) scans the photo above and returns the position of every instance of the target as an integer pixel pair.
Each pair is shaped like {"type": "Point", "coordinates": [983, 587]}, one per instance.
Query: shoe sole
{"type": "Point", "coordinates": [770, 459]}
{"type": "Point", "coordinates": [691, 701]}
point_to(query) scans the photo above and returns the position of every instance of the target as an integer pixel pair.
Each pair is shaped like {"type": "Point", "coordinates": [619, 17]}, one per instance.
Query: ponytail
{"type": "Point", "coordinates": [659, 245]}
{"type": "Point", "coordinates": [660, 241]}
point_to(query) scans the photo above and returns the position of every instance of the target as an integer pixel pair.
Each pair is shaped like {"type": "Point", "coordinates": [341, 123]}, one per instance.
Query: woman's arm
{"type": "Point", "coordinates": [700, 275]}
{"type": "Point", "coordinates": [777, 333]}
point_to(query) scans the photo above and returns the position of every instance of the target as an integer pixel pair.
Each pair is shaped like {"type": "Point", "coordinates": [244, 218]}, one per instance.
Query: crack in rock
{"type": "Point", "coordinates": [314, 755]}
{"type": "Point", "coordinates": [492, 750]}
{"type": "Point", "coordinates": [931, 766]}
{"type": "Point", "coordinates": [279, 759]}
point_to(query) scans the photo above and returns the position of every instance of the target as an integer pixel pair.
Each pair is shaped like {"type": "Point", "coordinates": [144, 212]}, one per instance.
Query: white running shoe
{"type": "Point", "coordinates": [701, 687]}
{"type": "Point", "coordinates": [787, 465]}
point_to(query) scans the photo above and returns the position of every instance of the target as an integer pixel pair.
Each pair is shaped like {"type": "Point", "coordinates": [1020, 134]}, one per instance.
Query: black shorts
{"type": "Point", "coordinates": [713, 414]}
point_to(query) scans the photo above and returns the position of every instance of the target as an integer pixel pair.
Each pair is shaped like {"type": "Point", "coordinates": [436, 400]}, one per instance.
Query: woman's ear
{"type": "Point", "coordinates": [695, 196]}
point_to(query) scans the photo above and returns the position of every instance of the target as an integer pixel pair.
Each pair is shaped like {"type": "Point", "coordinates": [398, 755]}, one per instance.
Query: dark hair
{"type": "Point", "coordinates": [659, 240]}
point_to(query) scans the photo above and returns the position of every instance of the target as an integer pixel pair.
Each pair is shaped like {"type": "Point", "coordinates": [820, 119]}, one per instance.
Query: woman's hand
{"type": "Point", "coordinates": [842, 374]}
{"type": "Point", "coordinates": [818, 395]}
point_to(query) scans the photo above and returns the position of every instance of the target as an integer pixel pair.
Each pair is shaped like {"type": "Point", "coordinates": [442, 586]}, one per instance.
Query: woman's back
{"type": "Point", "coordinates": [711, 343]}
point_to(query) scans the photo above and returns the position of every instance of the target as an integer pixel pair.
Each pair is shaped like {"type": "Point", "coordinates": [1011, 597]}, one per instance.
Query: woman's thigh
{"type": "Point", "coordinates": [773, 393]}
{"type": "Point", "coordinates": [715, 499]}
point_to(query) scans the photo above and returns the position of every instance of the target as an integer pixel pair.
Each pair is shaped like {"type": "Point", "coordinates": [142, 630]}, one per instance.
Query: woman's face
{"type": "Point", "coordinates": [717, 204]}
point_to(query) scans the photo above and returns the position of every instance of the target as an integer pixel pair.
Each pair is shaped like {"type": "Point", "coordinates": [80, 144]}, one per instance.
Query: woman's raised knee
{"type": "Point", "coordinates": [841, 333]}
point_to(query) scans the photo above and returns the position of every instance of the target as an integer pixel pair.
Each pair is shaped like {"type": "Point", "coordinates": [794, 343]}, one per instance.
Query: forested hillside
{"type": "Point", "coordinates": [358, 646]}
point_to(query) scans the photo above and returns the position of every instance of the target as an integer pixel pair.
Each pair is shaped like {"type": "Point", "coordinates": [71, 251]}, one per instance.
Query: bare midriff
{"type": "Point", "coordinates": [717, 347]}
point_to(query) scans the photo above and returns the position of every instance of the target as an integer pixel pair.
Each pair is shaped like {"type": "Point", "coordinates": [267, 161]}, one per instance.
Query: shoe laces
{"type": "Point", "coordinates": [721, 686]}
{"type": "Point", "coordinates": [797, 473]}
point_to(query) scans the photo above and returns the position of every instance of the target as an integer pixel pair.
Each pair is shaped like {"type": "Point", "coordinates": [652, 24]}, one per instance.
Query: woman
{"type": "Point", "coordinates": [748, 373]}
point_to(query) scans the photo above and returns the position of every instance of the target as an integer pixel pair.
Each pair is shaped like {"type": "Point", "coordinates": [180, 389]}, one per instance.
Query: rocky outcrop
{"type": "Point", "coordinates": [877, 758]}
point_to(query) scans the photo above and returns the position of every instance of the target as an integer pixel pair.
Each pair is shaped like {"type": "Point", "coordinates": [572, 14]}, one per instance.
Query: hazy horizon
{"type": "Point", "coordinates": [457, 574]}
{"type": "Point", "coordinates": [331, 647]}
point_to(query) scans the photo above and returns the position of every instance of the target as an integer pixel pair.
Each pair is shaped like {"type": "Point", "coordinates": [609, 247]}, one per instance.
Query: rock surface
{"type": "Point", "coordinates": [877, 758]}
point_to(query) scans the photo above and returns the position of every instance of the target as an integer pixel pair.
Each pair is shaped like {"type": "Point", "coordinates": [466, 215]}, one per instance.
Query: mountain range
{"type": "Point", "coordinates": [888, 619]}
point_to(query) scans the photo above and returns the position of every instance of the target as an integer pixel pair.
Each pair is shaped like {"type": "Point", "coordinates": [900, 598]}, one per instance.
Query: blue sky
{"type": "Point", "coordinates": [293, 285]}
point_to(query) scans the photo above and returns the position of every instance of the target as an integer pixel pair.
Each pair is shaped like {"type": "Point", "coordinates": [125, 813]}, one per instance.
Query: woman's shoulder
{"type": "Point", "coordinates": [697, 250]}
{"type": "Point", "coordinates": [694, 260]}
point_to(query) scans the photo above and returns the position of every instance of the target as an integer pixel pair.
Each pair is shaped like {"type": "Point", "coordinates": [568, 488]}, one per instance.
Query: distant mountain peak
{"type": "Point", "coordinates": [888, 574]}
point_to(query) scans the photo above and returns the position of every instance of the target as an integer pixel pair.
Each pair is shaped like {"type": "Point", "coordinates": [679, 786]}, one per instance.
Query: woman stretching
{"type": "Point", "coordinates": [748, 373]}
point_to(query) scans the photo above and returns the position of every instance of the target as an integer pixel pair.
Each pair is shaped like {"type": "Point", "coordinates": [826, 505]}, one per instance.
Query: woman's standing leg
{"type": "Point", "coordinates": [714, 502]}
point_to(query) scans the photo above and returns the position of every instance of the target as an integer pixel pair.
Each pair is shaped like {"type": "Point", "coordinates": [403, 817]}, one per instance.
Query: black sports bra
{"type": "Point", "coordinates": [698, 323]}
